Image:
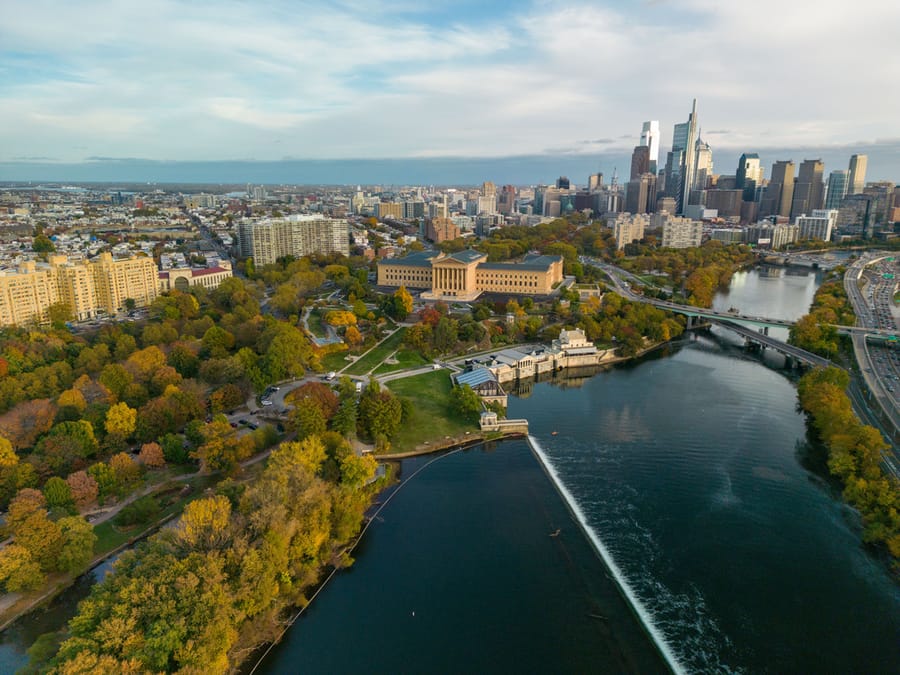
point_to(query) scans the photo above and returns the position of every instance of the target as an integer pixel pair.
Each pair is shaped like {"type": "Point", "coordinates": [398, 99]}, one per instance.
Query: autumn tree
{"type": "Point", "coordinates": [18, 569]}
{"type": "Point", "coordinates": [121, 420]}
{"type": "Point", "coordinates": [58, 493]}
{"type": "Point", "coordinates": [125, 470]}
{"type": "Point", "coordinates": [203, 525]}
{"type": "Point", "coordinates": [151, 456]}
{"type": "Point", "coordinates": [8, 456]}
{"type": "Point", "coordinates": [83, 489]}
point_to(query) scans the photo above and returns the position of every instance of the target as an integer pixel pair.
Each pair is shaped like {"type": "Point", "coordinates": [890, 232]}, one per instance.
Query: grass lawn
{"type": "Point", "coordinates": [315, 323]}
{"type": "Point", "coordinates": [335, 361]}
{"type": "Point", "coordinates": [406, 358]}
{"type": "Point", "coordinates": [432, 418]}
{"type": "Point", "coordinates": [377, 354]}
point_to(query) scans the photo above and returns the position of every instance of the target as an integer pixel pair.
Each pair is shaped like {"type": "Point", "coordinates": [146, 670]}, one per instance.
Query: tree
{"type": "Point", "coordinates": [59, 314]}
{"type": "Point", "coordinates": [18, 570]}
{"type": "Point", "coordinates": [307, 419]}
{"type": "Point", "coordinates": [217, 342]}
{"type": "Point", "coordinates": [356, 470]}
{"type": "Point", "coordinates": [151, 456]}
{"type": "Point", "coordinates": [78, 541]}
{"type": "Point", "coordinates": [308, 453]}
{"type": "Point", "coordinates": [27, 421]}
{"type": "Point", "coordinates": [446, 335]}
{"type": "Point", "coordinates": [174, 449]}
{"type": "Point", "coordinates": [379, 412]}
{"type": "Point", "coordinates": [8, 456]}
{"type": "Point", "coordinates": [466, 402]}
{"type": "Point", "coordinates": [71, 404]}
{"type": "Point", "coordinates": [26, 503]}
{"type": "Point", "coordinates": [225, 398]}
{"type": "Point", "coordinates": [403, 303]}
{"type": "Point", "coordinates": [58, 493]}
{"type": "Point", "coordinates": [42, 537]}
{"type": "Point", "coordinates": [83, 489]}
{"type": "Point", "coordinates": [340, 317]}
{"type": "Point", "coordinates": [352, 336]}
{"type": "Point", "coordinates": [203, 526]}
{"type": "Point", "coordinates": [126, 471]}
{"type": "Point", "coordinates": [103, 475]}
{"type": "Point", "coordinates": [121, 420]}
{"type": "Point", "coordinates": [116, 378]}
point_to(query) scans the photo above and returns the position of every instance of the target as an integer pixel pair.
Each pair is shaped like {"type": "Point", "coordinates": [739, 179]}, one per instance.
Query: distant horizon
{"type": "Point", "coordinates": [883, 164]}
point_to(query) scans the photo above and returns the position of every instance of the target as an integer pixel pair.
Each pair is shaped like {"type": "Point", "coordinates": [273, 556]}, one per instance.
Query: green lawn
{"type": "Point", "coordinates": [334, 361]}
{"type": "Point", "coordinates": [432, 418]}
{"type": "Point", "coordinates": [315, 323]}
{"type": "Point", "coordinates": [406, 358]}
{"type": "Point", "coordinates": [377, 354]}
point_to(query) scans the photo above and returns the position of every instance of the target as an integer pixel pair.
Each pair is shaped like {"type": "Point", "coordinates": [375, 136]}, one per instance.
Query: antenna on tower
{"type": "Point", "coordinates": [615, 178]}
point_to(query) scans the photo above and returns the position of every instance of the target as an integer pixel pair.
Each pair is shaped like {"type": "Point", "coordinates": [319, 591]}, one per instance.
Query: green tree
{"type": "Point", "coordinates": [78, 541]}
{"type": "Point", "coordinates": [307, 419]}
{"type": "Point", "coordinates": [466, 403]}
{"type": "Point", "coordinates": [58, 493]}
{"type": "Point", "coordinates": [59, 314]}
{"type": "Point", "coordinates": [42, 244]}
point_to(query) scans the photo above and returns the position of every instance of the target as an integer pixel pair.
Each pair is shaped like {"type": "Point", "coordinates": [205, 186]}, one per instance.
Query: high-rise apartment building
{"type": "Point", "coordinates": [836, 189]}
{"type": "Point", "coordinates": [819, 225]}
{"type": "Point", "coordinates": [857, 179]}
{"type": "Point", "coordinates": [89, 288]}
{"type": "Point", "coordinates": [640, 194]}
{"type": "Point", "coordinates": [627, 227]}
{"type": "Point", "coordinates": [780, 190]}
{"type": "Point", "coordinates": [650, 139]}
{"type": "Point", "coordinates": [681, 233]}
{"type": "Point", "coordinates": [809, 189]}
{"type": "Point", "coordinates": [297, 235]}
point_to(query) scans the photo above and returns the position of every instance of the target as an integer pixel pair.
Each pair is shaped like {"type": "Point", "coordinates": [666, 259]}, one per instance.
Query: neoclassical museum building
{"type": "Point", "coordinates": [465, 275]}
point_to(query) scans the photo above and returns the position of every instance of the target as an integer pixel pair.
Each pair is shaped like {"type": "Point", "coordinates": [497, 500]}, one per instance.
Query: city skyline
{"type": "Point", "coordinates": [178, 82]}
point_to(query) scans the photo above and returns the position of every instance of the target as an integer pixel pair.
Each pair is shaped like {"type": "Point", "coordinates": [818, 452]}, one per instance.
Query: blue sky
{"type": "Point", "coordinates": [191, 81]}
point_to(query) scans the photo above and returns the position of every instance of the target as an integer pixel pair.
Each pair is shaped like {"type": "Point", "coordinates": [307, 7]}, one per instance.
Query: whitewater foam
{"type": "Point", "coordinates": [636, 604]}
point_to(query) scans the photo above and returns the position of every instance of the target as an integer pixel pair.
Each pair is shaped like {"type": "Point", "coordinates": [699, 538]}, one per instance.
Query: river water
{"type": "Point", "coordinates": [693, 470]}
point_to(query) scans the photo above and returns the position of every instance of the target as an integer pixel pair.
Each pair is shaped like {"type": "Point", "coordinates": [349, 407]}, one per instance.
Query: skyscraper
{"type": "Point", "coordinates": [780, 191]}
{"type": "Point", "coordinates": [650, 139]}
{"type": "Point", "coordinates": [857, 174]}
{"type": "Point", "coordinates": [703, 164]}
{"type": "Point", "coordinates": [808, 189]}
{"type": "Point", "coordinates": [683, 153]}
{"type": "Point", "coordinates": [837, 189]}
{"type": "Point", "coordinates": [748, 175]}
{"type": "Point", "coordinates": [640, 161]}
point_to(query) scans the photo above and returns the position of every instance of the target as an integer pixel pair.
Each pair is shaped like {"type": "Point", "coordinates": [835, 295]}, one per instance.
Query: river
{"type": "Point", "coordinates": [691, 467]}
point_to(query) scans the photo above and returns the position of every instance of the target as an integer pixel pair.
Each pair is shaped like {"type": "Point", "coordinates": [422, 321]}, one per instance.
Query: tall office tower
{"type": "Point", "coordinates": [748, 176]}
{"type": "Point", "coordinates": [857, 174]}
{"type": "Point", "coordinates": [562, 183]}
{"type": "Point", "coordinates": [780, 191]}
{"type": "Point", "coordinates": [808, 189]}
{"type": "Point", "coordinates": [703, 164]}
{"type": "Point", "coordinates": [595, 181]}
{"type": "Point", "coordinates": [681, 160]}
{"type": "Point", "coordinates": [650, 139]}
{"type": "Point", "coordinates": [837, 189]}
{"type": "Point", "coordinates": [507, 200]}
{"type": "Point", "coordinates": [640, 194]}
{"type": "Point", "coordinates": [640, 161]}
{"type": "Point", "coordinates": [488, 189]}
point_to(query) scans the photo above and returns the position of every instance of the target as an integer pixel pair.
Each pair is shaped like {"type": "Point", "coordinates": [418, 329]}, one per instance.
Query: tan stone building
{"type": "Point", "coordinates": [183, 278]}
{"type": "Point", "coordinates": [467, 274]}
{"type": "Point", "coordinates": [88, 287]}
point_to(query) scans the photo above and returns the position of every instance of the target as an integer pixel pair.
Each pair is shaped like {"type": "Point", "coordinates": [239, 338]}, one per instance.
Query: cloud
{"type": "Point", "coordinates": [173, 79]}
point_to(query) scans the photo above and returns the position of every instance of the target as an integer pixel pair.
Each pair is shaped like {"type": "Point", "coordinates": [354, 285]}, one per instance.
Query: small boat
{"type": "Point", "coordinates": [553, 433]}
{"type": "Point", "coordinates": [555, 534]}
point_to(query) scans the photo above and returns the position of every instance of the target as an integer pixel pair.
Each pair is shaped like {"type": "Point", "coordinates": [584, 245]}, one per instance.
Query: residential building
{"type": "Point", "coordinates": [817, 226]}
{"type": "Point", "coordinates": [297, 235]}
{"type": "Point", "coordinates": [681, 233]}
{"type": "Point", "coordinates": [627, 228]}
{"type": "Point", "coordinates": [89, 288]}
{"type": "Point", "coordinates": [767, 235]}
{"type": "Point", "coordinates": [389, 210]}
{"type": "Point", "coordinates": [441, 229]}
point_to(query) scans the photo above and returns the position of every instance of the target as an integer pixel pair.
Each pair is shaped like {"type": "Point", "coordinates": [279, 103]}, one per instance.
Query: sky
{"type": "Point", "coordinates": [200, 81]}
